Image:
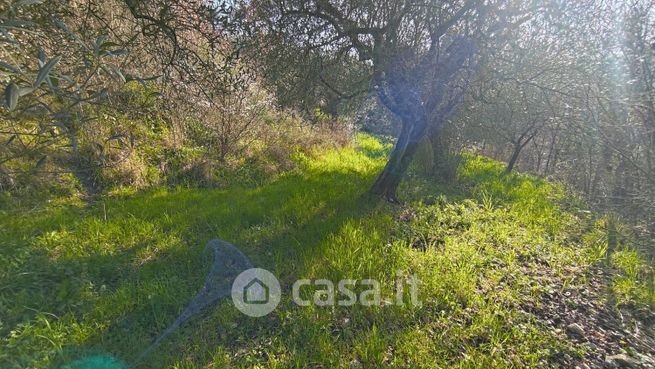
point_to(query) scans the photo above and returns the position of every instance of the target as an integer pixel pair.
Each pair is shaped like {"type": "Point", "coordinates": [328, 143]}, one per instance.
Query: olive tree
{"type": "Point", "coordinates": [64, 65]}
{"type": "Point", "coordinates": [418, 55]}
{"type": "Point", "coordinates": [53, 79]}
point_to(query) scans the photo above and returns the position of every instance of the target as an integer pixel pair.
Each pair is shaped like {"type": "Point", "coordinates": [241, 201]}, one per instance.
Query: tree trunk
{"type": "Point", "coordinates": [518, 146]}
{"type": "Point", "coordinates": [550, 159]}
{"type": "Point", "coordinates": [386, 184]}
{"type": "Point", "coordinates": [539, 158]}
{"type": "Point", "coordinates": [514, 158]}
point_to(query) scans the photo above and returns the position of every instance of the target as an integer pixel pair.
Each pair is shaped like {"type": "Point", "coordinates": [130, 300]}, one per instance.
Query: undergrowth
{"type": "Point", "coordinates": [79, 279]}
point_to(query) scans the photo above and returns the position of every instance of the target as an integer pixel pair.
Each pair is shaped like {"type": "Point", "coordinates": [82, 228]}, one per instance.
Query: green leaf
{"type": "Point", "coordinates": [62, 26]}
{"type": "Point", "coordinates": [21, 3]}
{"type": "Point", "coordinates": [97, 47]}
{"type": "Point", "coordinates": [119, 74]}
{"type": "Point", "coordinates": [108, 44]}
{"type": "Point", "coordinates": [22, 91]}
{"type": "Point", "coordinates": [16, 24]}
{"type": "Point", "coordinates": [41, 56]}
{"type": "Point", "coordinates": [11, 96]}
{"type": "Point", "coordinates": [10, 68]}
{"type": "Point", "coordinates": [100, 40]}
{"type": "Point", "coordinates": [66, 78]}
{"type": "Point", "coordinates": [45, 70]}
{"type": "Point", "coordinates": [117, 52]}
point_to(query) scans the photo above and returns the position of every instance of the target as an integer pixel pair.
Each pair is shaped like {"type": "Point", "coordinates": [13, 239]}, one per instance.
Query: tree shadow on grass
{"type": "Point", "coordinates": [279, 226]}
{"type": "Point", "coordinates": [126, 279]}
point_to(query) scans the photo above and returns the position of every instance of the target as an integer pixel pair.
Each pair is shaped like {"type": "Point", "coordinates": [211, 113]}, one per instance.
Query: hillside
{"type": "Point", "coordinates": [514, 272]}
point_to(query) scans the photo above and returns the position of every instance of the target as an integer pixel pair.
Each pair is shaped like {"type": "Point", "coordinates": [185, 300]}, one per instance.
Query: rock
{"type": "Point", "coordinates": [574, 329]}
{"type": "Point", "coordinates": [621, 361]}
{"type": "Point", "coordinates": [582, 366]}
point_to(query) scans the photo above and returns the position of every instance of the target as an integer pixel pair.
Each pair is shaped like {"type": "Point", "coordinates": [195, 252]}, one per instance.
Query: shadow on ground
{"type": "Point", "coordinates": [121, 271]}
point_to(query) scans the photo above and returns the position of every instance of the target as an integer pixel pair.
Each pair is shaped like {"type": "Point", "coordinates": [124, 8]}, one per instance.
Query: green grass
{"type": "Point", "coordinates": [80, 280]}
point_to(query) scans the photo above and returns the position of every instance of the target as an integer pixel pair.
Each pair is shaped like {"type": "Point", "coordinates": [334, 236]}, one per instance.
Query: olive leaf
{"type": "Point", "coordinates": [21, 3]}
{"type": "Point", "coordinates": [97, 46]}
{"type": "Point", "coordinates": [22, 91]}
{"type": "Point", "coordinates": [45, 70]}
{"type": "Point", "coordinates": [119, 74]}
{"type": "Point", "coordinates": [11, 96]}
{"type": "Point", "coordinates": [41, 56]}
{"type": "Point", "coordinates": [117, 52]}
{"type": "Point", "coordinates": [18, 24]}
{"type": "Point", "coordinates": [9, 67]}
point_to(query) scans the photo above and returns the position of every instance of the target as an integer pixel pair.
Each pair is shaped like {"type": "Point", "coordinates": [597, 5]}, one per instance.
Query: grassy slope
{"type": "Point", "coordinates": [110, 277]}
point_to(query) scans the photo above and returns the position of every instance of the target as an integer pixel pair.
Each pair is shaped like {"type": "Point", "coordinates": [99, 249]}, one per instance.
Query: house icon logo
{"type": "Point", "coordinates": [256, 292]}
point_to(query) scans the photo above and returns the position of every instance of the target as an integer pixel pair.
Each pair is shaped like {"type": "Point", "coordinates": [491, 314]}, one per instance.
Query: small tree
{"type": "Point", "coordinates": [50, 99]}
{"type": "Point", "coordinates": [418, 54]}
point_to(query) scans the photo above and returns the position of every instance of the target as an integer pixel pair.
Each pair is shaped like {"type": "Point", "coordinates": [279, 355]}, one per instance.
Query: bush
{"type": "Point", "coordinates": [246, 143]}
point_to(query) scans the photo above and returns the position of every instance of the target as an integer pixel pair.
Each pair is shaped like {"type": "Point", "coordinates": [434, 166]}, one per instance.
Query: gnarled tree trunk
{"type": "Point", "coordinates": [401, 157]}
{"type": "Point", "coordinates": [423, 92]}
